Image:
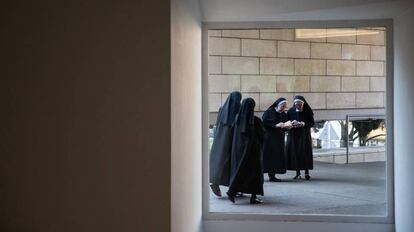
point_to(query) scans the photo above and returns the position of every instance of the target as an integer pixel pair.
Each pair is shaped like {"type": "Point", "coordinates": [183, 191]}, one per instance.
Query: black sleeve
{"type": "Point", "coordinates": [283, 118]}
{"type": "Point", "coordinates": [259, 129]}
{"type": "Point", "coordinates": [311, 121]}
{"type": "Point", "coordinates": [269, 121]}
{"type": "Point", "coordinates": [288, 116]}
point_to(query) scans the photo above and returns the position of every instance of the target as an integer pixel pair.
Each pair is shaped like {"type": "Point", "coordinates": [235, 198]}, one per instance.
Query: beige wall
{"type": "Point", "coordinates": [333, 73]}
{"type": "Point", "coordinates": [185, 116]}
{"type": "Point", "coordinates": [85, 114]}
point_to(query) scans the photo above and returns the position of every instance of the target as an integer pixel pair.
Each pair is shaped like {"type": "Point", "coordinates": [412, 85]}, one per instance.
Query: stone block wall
{"type": "Point", "coordinates": [333, 68]}
{"type": "Point", "coordinates": [359, 155]}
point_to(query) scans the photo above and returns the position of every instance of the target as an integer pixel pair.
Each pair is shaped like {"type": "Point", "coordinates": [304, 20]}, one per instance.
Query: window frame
{"type": "Point", "coordinates": [386, 219]}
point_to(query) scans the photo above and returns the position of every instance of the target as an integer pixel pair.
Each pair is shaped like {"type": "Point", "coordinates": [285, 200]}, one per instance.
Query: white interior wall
{"type": "Point", "coordinates": [185, 116]}
{"type": "Point", "coordinates": [299, 10]}
{"type": "Point", "coordinates": [403, 115]}
{"type": "Point", "coordinates": [280, 226]}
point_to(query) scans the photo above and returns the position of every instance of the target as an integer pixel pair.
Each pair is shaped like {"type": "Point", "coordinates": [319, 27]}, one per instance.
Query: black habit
{"type": "Point", "coordinates": [246, 175]}
{"type": "Point", "coordinates": [299, 141]}
{"type": "Point", "coordinates": [274, 160]}
{"type": "Point", "coordinates": [221, 148]}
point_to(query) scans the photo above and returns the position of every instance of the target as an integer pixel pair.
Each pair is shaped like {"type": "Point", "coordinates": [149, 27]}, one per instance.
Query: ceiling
{"type": "Point", "coordinates": [292, 10]}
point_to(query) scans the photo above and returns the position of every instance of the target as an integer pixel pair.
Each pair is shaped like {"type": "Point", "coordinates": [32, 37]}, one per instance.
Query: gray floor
{"type": "Point", "coordinates": [345, 189]}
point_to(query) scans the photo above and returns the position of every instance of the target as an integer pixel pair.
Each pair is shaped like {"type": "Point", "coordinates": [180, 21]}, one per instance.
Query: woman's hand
{"type": "Point", "coordinates": [287, 125]}
{"type": "Point", "coordinates": [279, 125]}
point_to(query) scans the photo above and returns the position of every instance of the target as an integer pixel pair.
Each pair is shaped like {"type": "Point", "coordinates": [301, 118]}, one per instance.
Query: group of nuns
{"type": "Point", "coordinates": [245, 147]}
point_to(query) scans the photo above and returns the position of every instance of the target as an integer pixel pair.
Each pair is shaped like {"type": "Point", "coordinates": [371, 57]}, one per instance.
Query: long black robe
{"type": "Point", "coordinates": [299, 141]}
{"type": "Point", "coordinates": [221, 148]}
{"type": "Point", "coordinates": [274, 160]}
{"type": "Point", "coordinates": [246, 174]}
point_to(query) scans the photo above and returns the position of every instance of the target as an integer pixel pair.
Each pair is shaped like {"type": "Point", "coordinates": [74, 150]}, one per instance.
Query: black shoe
{"type": "Point", "coordinates": [274, 179]}
{"type": "Point", "coordinates": [216, 190]}
{"type": "Point", "coordinates": [297, 177]}
{"type": "Point", "coordinates": [231, 197]}
{"type": "Point", "coordinates": [307, 177]}
{"type": "Point", "coordinates": [255, 200]}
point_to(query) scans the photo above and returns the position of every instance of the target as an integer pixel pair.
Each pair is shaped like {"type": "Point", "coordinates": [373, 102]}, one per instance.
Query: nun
{"type": "Point", "coordinates": [246, 172]}
{"type": "Point", "coordinates": [221, 148]}
{"type": "Point", "coordinates": [274, 120]}
{"type": "Point", "coordinates": [299, 141]}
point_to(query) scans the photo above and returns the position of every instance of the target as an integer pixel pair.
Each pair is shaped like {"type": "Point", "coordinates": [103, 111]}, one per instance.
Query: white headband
{"type": "Point", "coordinates": [298, 100]}
{"type": "Point", "coordinates": [280, 103]}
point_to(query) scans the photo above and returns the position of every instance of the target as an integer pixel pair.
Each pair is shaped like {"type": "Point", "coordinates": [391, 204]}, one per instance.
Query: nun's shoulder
{"type": "Point", "coordinates": [291, 110]}
{"type": "Point", "coordinates": [257, 121]}
{"type": "Point", "coordinates": [269, 111]}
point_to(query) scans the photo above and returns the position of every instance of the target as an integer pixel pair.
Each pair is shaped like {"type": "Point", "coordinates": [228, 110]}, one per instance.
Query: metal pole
{"type": "Point", "coordinates": [347, 138]}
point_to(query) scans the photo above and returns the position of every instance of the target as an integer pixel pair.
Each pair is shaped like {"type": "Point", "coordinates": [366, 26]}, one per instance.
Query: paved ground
{"type": "Point", "coordinates": [357, 188]}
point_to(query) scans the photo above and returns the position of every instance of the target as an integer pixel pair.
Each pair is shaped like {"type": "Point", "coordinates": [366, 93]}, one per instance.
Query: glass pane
{"type": "Point", "coordinates": [341, 72]}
